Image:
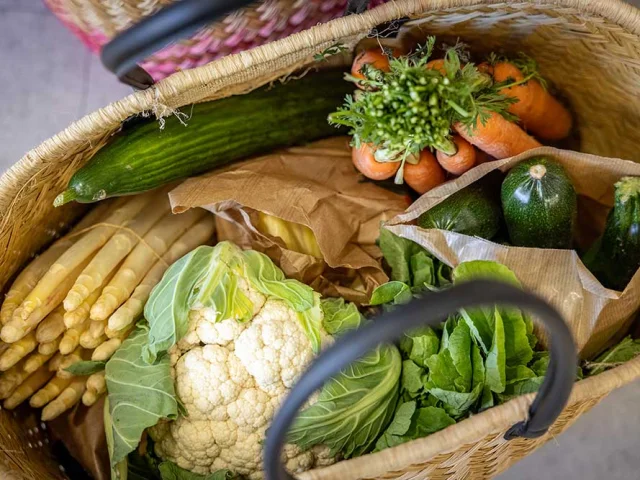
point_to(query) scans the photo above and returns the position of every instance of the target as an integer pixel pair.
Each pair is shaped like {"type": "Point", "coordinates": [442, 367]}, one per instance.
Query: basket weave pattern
{"type": "Point", "coordinates": [589, 50]}
{"type": "Point", "coordinates": [95, 22]}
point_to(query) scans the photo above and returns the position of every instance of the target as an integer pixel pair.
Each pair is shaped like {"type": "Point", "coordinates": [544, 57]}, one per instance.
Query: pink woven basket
{"type": "Point", "coordinates": [95, 22]}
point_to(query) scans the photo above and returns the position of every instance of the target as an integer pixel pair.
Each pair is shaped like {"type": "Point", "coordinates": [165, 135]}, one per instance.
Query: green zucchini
{"type": "Point", "coordinates": [615, 257]}
{"type": "Point", "coordinates": [474, 211]}
{"type": "Point", "coordinates": [216, 133]}
{"type": "Point", "coordinates": [539, 204]}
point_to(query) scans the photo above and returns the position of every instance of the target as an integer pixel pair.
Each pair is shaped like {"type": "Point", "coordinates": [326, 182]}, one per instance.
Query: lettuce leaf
{"type": "Point", "coordinates": [412, 380]}
{"type": "Point", "coordinates": [339, 316]}
{"type": "Point", "coordinates": [495, 364]}
{"type": "Point", "coordinates": [410, 423]}
{"type": "Point", "coordinates": [418, 345]}
{"type": "Point", "coordinates": [139, 394]}
{"type": "Point", "coordinates": [484, 269]}
{"type": "Point", "coordinates": [423, 270]}
{"type": "Point", "coordinates": [391, 293]}
{"type": "Point", "coordinates": [397, 252]}
{"type": "Point", "coordinates": [354, 407]}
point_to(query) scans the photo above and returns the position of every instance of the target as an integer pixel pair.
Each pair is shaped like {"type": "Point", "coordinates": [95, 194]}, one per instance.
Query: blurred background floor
{"type": "Point", "coordinates": [49, 80]}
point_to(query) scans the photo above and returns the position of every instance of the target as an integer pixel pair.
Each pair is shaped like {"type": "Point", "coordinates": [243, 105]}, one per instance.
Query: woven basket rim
{"type": "Point", "coordinates": [625, 15]}
{"type": "Point", "coordinates": [495, 420]}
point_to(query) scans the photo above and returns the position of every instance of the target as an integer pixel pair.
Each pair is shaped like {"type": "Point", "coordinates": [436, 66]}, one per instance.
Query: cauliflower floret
{"type": "Point", "coordinates": [208, 328]}
{"type": "Point", "coordinates": [216, 366]}
{"type": "Point", "coordinates": [274, 348]}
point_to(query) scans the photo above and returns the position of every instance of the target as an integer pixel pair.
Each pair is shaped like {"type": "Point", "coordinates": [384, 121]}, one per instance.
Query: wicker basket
{"type": "Point", "coordinates": [95, 22]}
{"type": "Point", "coordinates": [590, 50]}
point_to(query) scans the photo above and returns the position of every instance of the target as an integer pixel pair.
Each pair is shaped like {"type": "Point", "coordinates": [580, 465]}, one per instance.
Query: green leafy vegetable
{"type": "Point", "coordinates": [391, 293]}
{"type": "Point", "coordinates": [139, 394]}
{"type": "Point", "coordinates": [484, 269]}
{"type": "Point", "coordinates": [354, 407]}
{"type": "Point", "coordinates": [397, 252]}
{"type": "Point", "coordinates": [410, 423]}
{"type": "Point", "coordinates": [529, 385]}
{"type": "Point", "coordinates": [624, 351]}
{"type": "Point", "coordinates": [418, 345]}
{"type": "Point", "coordinates": [517, 348]}
{"type": "Point", "coordinates": [170, 471]}
{"type": "Point", "coordinates": [339, 316]}
{"type": "Point", "coordinates": [423, 270]}
{"type": "Point", "coordinates": [412, 378]}
{"type": "Point", "coordinates": [495, 364]}
{"type": "Point", "coordinates": [85, 367]}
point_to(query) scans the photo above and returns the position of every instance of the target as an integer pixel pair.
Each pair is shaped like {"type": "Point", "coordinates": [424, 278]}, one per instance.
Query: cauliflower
{"type": "Point", "coordinates": [227, 337]}
{"type": "Point", "coordinates": [231, 375]}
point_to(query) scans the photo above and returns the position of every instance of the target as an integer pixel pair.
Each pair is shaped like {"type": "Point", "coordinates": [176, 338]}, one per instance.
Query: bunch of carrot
{"type": "Point", "coordinates": [82, 297]}
{"type": "Point", "coordinates": [529, 108]}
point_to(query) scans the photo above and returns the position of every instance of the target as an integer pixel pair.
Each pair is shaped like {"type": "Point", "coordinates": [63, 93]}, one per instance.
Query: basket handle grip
{"type": "Point", "coordinates": [431, 310]}
{"type": "Point", "coordinates": [170, 24]}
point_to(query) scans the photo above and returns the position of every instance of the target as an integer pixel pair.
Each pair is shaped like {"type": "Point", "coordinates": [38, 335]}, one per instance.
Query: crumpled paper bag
{"type": "Point", "coordinates": [595, 314]}
{"type": "Point", "coordinates": [317, 186]}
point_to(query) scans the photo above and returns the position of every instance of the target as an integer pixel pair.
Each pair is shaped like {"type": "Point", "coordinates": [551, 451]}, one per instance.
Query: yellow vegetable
{"type": "Point", "coordinates": [296, 237]}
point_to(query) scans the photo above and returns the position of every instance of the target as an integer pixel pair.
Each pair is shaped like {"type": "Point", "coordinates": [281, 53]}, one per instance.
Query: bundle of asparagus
{"type": "Point", "coordinates": [82, 297]}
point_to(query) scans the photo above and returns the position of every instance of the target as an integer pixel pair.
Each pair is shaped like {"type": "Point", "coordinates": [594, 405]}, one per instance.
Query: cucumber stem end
{"type": "Point", "coordinates": [65, 197]}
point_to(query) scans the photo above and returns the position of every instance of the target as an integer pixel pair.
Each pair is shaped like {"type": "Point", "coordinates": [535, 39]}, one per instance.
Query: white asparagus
{"type": "Point", "coordinates": [131, 310]}
{"type": "Point", "coordinates": [36, 360]}
{"type": "Point", "coordinates": [116, 249]}
{"type": "Point", "coordinates": [87, 340]}
{"type": "Point", "coordinates": [55, 362]}
{"type": "Point", "coordinates": [32, 273]}
{"type": "Point", "coordinates": [17, 328]}
{"type": "Point", "coordinates": [50, 347]}
{"type": "Point", "coordinates": [17, 351]}
{"type": "Point", "coordinates": [155, 243]}
{"type": "Point", "coordinates": [77, 355]}
{"type": "Point", "coordinates": [80, 252]}
{"type": "Point", "coordinates": [96, 387]}
{"type": "Point", "coordinates": [10, 379]}
{"type": "Point", "coordinates": [69, 397]}
{"type": "Point", "coordinates": [51, 327]}
{"type": "Point", "coordinates": [50, 391]}
{"type": "Point", "coordinates": [96, 329]}
{"type": "Point", "coordinates": [103, 352]}
{"type": "Point", "coordinates": [32, 384]}
{"type": "Point", "coordinates": [71, 338]}
{"type": "Point", "coordinates": [78, 316]}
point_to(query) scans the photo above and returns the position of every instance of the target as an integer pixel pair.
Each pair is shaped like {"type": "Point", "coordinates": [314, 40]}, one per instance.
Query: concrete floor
{"type": "Point", "coordinates": [49, 80]}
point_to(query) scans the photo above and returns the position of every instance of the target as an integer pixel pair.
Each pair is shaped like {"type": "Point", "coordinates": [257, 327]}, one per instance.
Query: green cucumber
{"type": "Point", "coordinates": [539, 204]}
{"type": "Point", "coordinates": [474, 211]}
{"type": "Point", "coordinates": [216, 133]}
{"type": "Point", "coordinates": [615, 257]}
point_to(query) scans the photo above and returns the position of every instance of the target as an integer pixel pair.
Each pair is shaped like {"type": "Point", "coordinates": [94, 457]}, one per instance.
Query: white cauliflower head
{"type": "Point", "coordinates": [232, 373]}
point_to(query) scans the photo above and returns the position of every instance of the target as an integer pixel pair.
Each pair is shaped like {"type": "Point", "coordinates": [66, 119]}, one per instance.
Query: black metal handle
{"type": "Point", "coordinates": [431, 310]}
{"type": "Point", "coordinates": [175, 22]}
{"type": "Point", "coordinates": [172, 23]}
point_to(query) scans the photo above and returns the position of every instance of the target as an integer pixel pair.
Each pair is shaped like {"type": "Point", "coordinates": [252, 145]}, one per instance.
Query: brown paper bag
{"type": "Point", "coordinates": [316, 186]}
{"type": "Point", "coordinates": [594, 313]}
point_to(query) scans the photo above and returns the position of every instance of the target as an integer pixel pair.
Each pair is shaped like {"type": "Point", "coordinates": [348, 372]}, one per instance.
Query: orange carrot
{"type": "Point", "coordinates": [461, 161]}
{"type": "Point", "coordinates": [366, 163]}
{"type": "Point", "coordinates": [499, 137]}
{"type": "Point", "coordinates": [374, 57]}
{"type": "Point", "coordinates": [485, 67]}
{"type": "Point", "coordinates": [437, 64]}
{"type": "Point", "coordinates": [482, 157]}
{"type": "Point", "coordinates": [538, 110]}
{"type": "Point", "coordinates": [424, 175]}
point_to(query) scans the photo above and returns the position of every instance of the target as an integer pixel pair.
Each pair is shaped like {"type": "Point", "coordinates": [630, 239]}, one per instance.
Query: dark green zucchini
{"type": "Point", "coordinates": [474, 211]}
{"type": "Point", "coordinates": [615, 257]}
{"type": "Point", "coordinates": [216, 133]}
{"type": "Point", "coordinates": [539, 204]}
